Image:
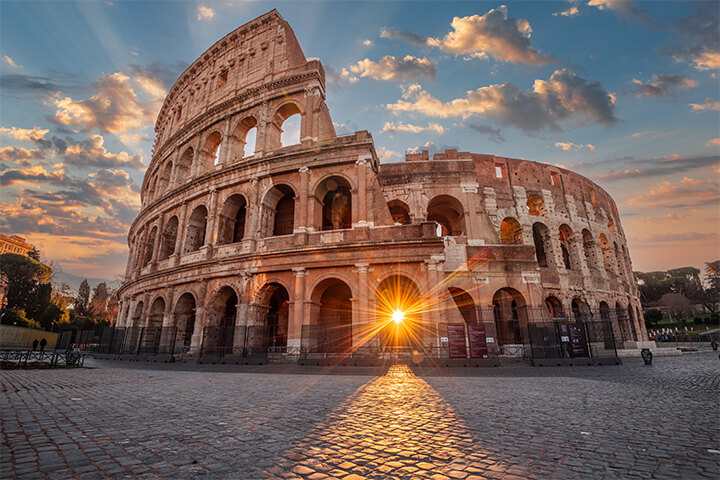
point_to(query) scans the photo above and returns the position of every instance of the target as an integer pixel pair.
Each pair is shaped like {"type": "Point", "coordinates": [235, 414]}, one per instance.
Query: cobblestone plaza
{"type": "Point", "coordinates": [128, 420]}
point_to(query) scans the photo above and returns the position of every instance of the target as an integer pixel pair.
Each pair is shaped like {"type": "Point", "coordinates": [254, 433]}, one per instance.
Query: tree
{"type": "Point", "coordinates": [711, 297]}
{"type": "Point", "coordinates": [16, 317]}
{"type": "Point", "coordinates": [24, 275]}
{"type": "Point", "coordinates": [34, 254]}
{"type": "Point", "coordinates": [83, 297]}
{"type": "Point", "coordinates": [678, 306]}
{"type": "Point", "coordinates": [652, 317]}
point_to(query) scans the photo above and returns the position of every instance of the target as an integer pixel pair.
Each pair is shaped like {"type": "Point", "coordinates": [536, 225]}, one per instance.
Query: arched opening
{"type": "Point", "coordinates": [510, 313]}
{"type": "Point", "coordinates": [631, 321]}
{"type": "Point", "coordinates": [555, 309]}
{"type": "Point", "coordinates": [536, 205]}
{"type": "Point", "coordinates": [448, 213]}
{"type": "Point", "coordinates": [581, 310]}
{"type": "Point", "coordinates": [149, 244]}
{"type": "Point", "coordinates": [278, 215]}
{"type": "Point", "coordinates": [291, 130]}
{"type": "Point", "coordinates": [619, 259]}
{"type": "Point", "coordinates": [246, 135]}
{"type": "Point", "coordinates": [334, 315]}
{"type": "Point", "coordinates": [185, 319]}
{"type": "Point", "coordinates": [150, 192]}
{"type": "Point", "coordinates": [169, 238]}
{"type": "Point", "coordinates": [465, 305]}
{"type": "Point", "coordinates": [137, 315]}
{"type": "Point", "coordinates": [589, 249]}
{"type": "Point", "coordinates": [400, 212]}
{"type": "Point", "coordinates": [183, 169]}
{"type": "Point", "coordinates": [157, 313]}
{"type": "Point", "coordinates": [606, 326]}
{"type": "Point", "coordinates": [285, 127]}
{"type": "Point", "coordinates": [621, 314]}
{"type": "Point", "coordinates": [543, 249]}
{"type": "Point", "coordinates": [566, 237]}
{"type": "Point", "coordinates": [511, 232]}
{"type": "Point", "coordinates": [611, 226]}
{"type": "Point", "coordinates": [337, 203]}
{"type": "Point", "coordinates": [219, 332]}
{"type": "Point", "coordinates": [277, 316]}
{"type": "Point", "coordinates": [398, 293]}
{"type": "Point", "coordinates": [231, 224]}
{"type": "Point", "coordinates": [164, 181]}
{"type": "Point", "coordinates": [195, 236]}
{"type": "Point", "coordinates": [607, 253]}
{"type": "Point", "coordinates": [210, 155]}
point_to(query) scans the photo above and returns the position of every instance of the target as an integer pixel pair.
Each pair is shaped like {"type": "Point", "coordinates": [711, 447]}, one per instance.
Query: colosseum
{"type": "Point", "coordinates": [318, 245]}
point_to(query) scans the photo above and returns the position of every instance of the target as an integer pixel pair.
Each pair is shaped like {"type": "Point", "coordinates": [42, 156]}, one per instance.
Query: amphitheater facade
{"type": "Point", "coordinates": [319, 231]}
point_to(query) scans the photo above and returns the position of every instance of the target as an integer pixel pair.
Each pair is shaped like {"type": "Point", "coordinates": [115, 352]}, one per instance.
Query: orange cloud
{"type": "Point", "coordinates": [35, 133]}
{"type": "Point", "coordinates": [390, 68]}
{"type": "Point", "coordinates": [689, 192]}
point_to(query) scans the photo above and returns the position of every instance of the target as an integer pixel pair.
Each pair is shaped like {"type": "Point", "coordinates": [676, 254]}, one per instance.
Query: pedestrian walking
{"type": "Point", "coordinates": [43, 342]}
{"type": "Point", "coordinates": [35, 344]}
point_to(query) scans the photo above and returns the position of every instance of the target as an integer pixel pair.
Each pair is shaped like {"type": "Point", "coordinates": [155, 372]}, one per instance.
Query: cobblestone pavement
{"type": "Point", "coordinates": [142, 421]}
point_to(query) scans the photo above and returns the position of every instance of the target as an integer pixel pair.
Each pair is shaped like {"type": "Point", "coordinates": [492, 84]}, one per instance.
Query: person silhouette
{"type": "Point", "coordinates": [43, 342]}
{"type": "Point", "coordinates": [35, 344]}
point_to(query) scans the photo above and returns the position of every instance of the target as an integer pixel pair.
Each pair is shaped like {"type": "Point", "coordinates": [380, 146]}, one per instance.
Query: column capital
{"type": "Point", "coordinates": [299, 271]}
{"type": "Point", "coordinates": [304, 170]}
{"type": "Point", "coordinates": [363, 159]}
{"type": "Point", "coordinates": [362, 267]}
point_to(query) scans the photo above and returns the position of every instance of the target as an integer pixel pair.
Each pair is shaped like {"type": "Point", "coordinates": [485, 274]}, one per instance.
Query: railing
{"type": "Point", "coordinates": [52, 358]}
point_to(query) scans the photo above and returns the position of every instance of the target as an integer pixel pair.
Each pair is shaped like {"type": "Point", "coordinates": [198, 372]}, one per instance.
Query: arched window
{"type": "Point", "coordinates": [543, 248]}
{"type": "Point", "coordinates": [231, 228]}
{"type": "Point", "coordinates": [567, 238]}
{"type": "Point", "coordinates": [219, 333]}
{"type": "Point", "coordinates": [611, 226]}
{"type": "Point", "coordinates": [607, 252]}
{"type": "Point", "coordinates": [195, 236]}
{"type": "Point", "coordinates": [184, 319]}
{"type": "Point", "coordinates": [337, 203]}
{"type": "Point", "coordinates": [284, 131]}
{"type": "Point", "coordinates": [278, 211]}
{"type": "Point", "coordinates": [448, 213]}
{"type": "Point", "coordinates": [149, 245]}
{"type": "Point", "coordinates": [246, 136]}
{"type": "Point", "coordinates": [334, 315]}
{"type": "Point", "coordinates": [164, 181]}
{"type": "Point", "coordinates": [619, 260]}
{"type": "Point", "coordinates": [291, 130]}
{"type": "Point", "coordinates": [536, 205]}
{"type": "Point", "coordinates": [511, 232]}
{"type": "Point", "coordinates": [157, 313]}
{"type": "Point", "coordinates": [510, 316]}
{"type": "Point", "coordinates": [184, 166]}
{"type": "Point", "coordinates": [589, 249]}
{"type": "Point", "coordinates": [581, 310]}
{"type": "Point", "coordinates": [169, 238]}
{"type": "Point", "coordinates": [400, 212]}
{"type": "Point", "coordinates": [210, 155]}
{"type": "Point", "coordinates": [465, 305]}
{"type": "Point", "coordinates": [555, 308]}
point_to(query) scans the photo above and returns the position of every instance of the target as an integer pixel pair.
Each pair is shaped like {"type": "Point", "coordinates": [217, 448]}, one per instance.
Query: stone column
{"type": "Point", "coordinates": [360, 200]}
{"type": "Point", "coordinates": [167, 314]}
{"type": "Point", "coordinates": [361, 317]}
{"type": "Point", "coordinates": [196, 341]}
{"type": "Point", "coordinates": [197, 157]}
{"type": "Point", "coordinates": [470, 191]}
{"type": "Point", "coordinates": [180, 239]}
{"type": "Point", "coordinates": [295, 322]}
{"type": "Point", "coordinates": [156, 245]}
{"type": "Point", "coordinates": [253, 224]}
{"type": "Point", "coordinates": [227, 144]}
{"type": "Point", "coordinates": [210, 232]}
{"type": "Point", "coordinates": [303, 218]}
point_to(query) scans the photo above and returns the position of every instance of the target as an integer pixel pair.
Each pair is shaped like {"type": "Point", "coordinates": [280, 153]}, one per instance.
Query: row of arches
{"type": "Point", "coordinates": [536, 207]}
{"type": "Point", "coordinates": [573, 250]}
{"type": "Point", "coordinates": [243, 142]}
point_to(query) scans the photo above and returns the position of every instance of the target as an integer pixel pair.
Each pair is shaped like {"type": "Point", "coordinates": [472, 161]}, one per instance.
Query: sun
{"type": "Point", "coordinates": [397, 316]}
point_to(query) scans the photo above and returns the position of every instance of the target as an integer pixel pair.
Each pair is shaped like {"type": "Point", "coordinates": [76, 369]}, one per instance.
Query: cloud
{"type": "Point", "coordinates": [567, 146]}
{"type": "Point", "coordinates": [709, 104]}
{"type": "Point", "coordinates": [11, 62]}
{"type": "Point", "coordinates": [570, 12]}
{"type": "Point", "coordinates": [494, 134]}
{"type": "Point", "coordinates": [667, 218]}
{"type": "Point", "coordinates": [392, 128]}
{"type": "Point", "coordinates": [114, 107]}
{"type": "Point", "coordinates": [714, 141]}
{"type": "Point", "coordinates": [683, 238]}
{"type": "Point", "coordinates": [495, 35]}
{"type": "Point", "coordinates": [404, 36]}
{"type": "Point", "coordinates": [390, 68]}
{"type": "Point", "coordinates": [18, 155]}
{"type": "Point", "coordinates": [549, 103]}
{"type": "Point", "coordinates": [345, 128]}
{"type": "Point", "coordinates": [697, 39]}
{"type": "Point", "coordinates": [24, 85]}
{"type": "Point", "coordinates": [688, 192]}
{"type": "Point", "coordinates": [35, 174]}
{"type": "Point", "coordinates": [367, 43]}
{"type": "Point", "coordinates": [663, 85]}
{"type": "Point", "coordinates": [626, 9]}
{"type": "Point", "coordinates": [653, 167]}
{"type": "Point", "coordinates": [432, 148]}
{"type": "Point", "coordinates": [35, 133]}
{"type": "Point", "coordinates": [91, 153]}
{"type": "Point", "coordinates": [387, 155]}
{"type": "Point", "coordinates": [205, 13]}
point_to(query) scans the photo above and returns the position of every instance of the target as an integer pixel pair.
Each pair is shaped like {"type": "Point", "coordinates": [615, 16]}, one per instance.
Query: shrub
{"type": "Point", "coordinates": [17, 318]}
{"type": "Point", "coordinates": [698, 321]}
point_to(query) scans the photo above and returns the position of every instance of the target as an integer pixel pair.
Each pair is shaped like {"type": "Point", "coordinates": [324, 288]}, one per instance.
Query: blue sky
{"type": "Point", "coordinates": [81, 82]}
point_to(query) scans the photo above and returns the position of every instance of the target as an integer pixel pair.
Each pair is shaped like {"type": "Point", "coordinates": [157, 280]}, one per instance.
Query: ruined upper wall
{"type": "Point", "coordinates": [259, 53]}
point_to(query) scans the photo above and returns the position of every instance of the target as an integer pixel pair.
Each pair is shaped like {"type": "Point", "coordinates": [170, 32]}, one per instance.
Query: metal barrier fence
{"type": "Point", "coordinates": [249, 341]}
{"type": "Point", "coordinates": [699, 338]}
{"type": "Point", "coordinates": [572, 340]}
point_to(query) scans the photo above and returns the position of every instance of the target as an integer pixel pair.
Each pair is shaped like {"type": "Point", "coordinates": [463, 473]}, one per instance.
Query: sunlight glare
{"type": "Point", "coordinates": [398, 316]}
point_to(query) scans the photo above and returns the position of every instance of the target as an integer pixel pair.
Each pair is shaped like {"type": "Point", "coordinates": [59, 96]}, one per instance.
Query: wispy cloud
{"type": "Point", "coordinates": [394, 127]}
{"type": "Point", "coordinates": [567, 146]}
{"type": "Point", "coordinates": [627, 9]}
{"type": "Point", "coordinates": [390, 68]}
{"type": "Point", "coordinates": [709, 104]}
{"type": "Point", "coordinates": [205, 13]}
{"type": "Point", "coordinates": [35, 133]}
{"type": "Point", "coordinates": [494, 134]}
{"type": "Point", "coordinates": [653, 167]}
{"type": "Point", "coordinates": [673, 195]}
{"type": "Point", "coordinates": [663, 85]}
{"type": "Point", "coordinates": [11, 62]}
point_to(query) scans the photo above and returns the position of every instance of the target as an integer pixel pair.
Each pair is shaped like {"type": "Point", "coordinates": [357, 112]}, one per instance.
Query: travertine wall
{"type": "Point", "coordinates": [280, 234]}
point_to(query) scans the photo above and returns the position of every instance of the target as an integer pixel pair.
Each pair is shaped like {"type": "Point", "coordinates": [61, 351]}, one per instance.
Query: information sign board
{"type": "Point", "coordinates": [456, 340]}
{"type": "Point", "coordinates": [478, 342]}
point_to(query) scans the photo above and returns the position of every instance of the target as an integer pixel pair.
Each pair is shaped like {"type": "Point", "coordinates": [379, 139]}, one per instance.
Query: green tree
{"type": "Point", "coordinates": [16, 317]}
{"type": "Point", "coordinates": [652, 317]}
{"type": "Point", "coordinates": [34, 254]}
{"type": "Point", "coordinates": [24, 275]}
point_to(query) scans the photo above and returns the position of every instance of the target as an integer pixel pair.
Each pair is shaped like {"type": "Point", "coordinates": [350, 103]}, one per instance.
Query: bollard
{"type": "Point", "coordinates": [646, 355]}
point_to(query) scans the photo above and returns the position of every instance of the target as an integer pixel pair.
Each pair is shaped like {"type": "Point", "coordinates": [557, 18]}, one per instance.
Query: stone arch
{"type": "Point", "coordinates": [275, 128]}
{"type": "Point", "coordinates": [220, 321]}
{"type": "Point", "coordinates": [242, 130]}
{"type": "Point", "coordinates": [611, 226]}
{"type": "Point", "coordinates": [273, 300]}
{"type": "Point", "coordinates": [184, 319]}
{"type": "Point", "coordinates": [184, 166]}
{"type": "Point", "coordinates": [157, 313]}
{"type": "Point", "coordinates": [511, 232]}
{"type": "Point", "coordinates": [335, 193]}
{"type": "Point", "coordinates": [278, 211]}
{"type": "Point", "coordinates": [231, 221]}
{"type": "Point", "coordinates": [210, 153]}
{"type": "Point", "coordinates": [332, 312]}
{"type": "Point", "coordinates": [465, 304]}
{"type": "Point", "coordinates": [400, 212]}
{"type": "Point", "coordinates": [567, 241]}
{"type": "Point", "coordinates": [555, 308]}
{"type": "Point", "coordinates": [165, 176]}
{"type": "Point", "coordinates": [536, 205]}
{"type": "Point", "coordinates": [510, 312]}
{"type": "Point", "coordinates": [619, 260]}
{"type": "Point", "coordinates": [149, 246]}
{"type": "Point", "coordinates": [589, 249]}
{"type": "Point", "coordinates": [581, 310]}
{"type": "Point", "coordinates": [395, 292]}
{"type": "Point", "coordinates": [137, 315]}
{"type": "Point", "coordinates": [448, 213]}
{"type": "Point", "coordinates": [543, 245]}
{"type": "Point", "coordinates": [623, 321]}
{"type": "Point", "coordinates": [607, 253]}
{"type": "Point", "coordinates": [195, 233]}
{"type": "Point", "coordinates": [606, 326]}
{"type": "Point", "coordinates": [169, 238]}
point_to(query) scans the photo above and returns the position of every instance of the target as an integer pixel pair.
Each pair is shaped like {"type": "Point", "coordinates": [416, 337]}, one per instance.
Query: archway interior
{"type": "Point", "coordinates": [465, 305]}
{"type": "Point", "coordinates": [157, 311]}
{"type": "Point", "coordinates": [337, 204]}
{"type": "Point", "coordinates": [232, 220]}
{"type": "Point", "coordinates": [398, 312]}
{"type": "Point", "coordinates": [400, 212]}
{"type": "Point", "coordinates": [185, 319]}
{"type": "Point", "coordinates": [511, 232]}
{"type": "Point", "coordinates": [276, 319]}
{"type": "Point", "coordinates": [510, 316]}
{"type": "Point", "coordinates": [554, 308]}
{"type": "Point", "coordinates": [336, 317]}
{"type": "Point", "coordinates": [447, 212]}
